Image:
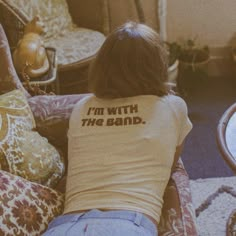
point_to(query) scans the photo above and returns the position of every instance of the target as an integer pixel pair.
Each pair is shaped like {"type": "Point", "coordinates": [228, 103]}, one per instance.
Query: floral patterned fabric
{"type": "Point", "coordinates": [75, 45]}
{"type": "Point", "coordinates": [52, 115]}
{"type": "Point", "coordinates": [26, 208]}
{"type": "Point", "coordinates": [178, 216]}
{"type": "Point", "coordinates": [181, 180]}
{"type": "Point", "coordinates": [54, 14]}
{"type": "Point", "coordinates": [22, 151]}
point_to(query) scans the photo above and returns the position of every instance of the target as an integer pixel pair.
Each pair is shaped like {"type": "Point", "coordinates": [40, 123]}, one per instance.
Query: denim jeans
{"type": "Point", "coordinates": [102, 223]}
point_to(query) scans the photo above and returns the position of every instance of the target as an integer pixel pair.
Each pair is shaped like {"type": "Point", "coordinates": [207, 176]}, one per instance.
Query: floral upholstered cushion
{"type": "Point", "coordinates": [26, 208]}
{"type": "Point", "coordinates": [76, 45]}
{"type": "Point", "coordinates": [54, 14]}
{"type": "Point", "coordinates": [24, 152]}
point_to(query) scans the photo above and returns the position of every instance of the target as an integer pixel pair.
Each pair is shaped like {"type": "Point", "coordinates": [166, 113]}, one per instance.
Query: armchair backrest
{"type": "Point", "coordinates": [145, 11]}
{"type": "Point", "coordinates": [8, 76]}
{"type": "Point", "coordinates": [106, 15]}
{"type": "Point", "coordinates": [54, 14]}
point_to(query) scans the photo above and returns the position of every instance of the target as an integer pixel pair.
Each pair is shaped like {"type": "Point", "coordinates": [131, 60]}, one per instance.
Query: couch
{"type": "Point", "coordinates": [76, 28]}
{"type": "Point", "coordinates": [51, 115]}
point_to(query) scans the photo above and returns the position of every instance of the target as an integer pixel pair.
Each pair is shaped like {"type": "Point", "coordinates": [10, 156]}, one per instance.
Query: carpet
{"type": "Point", "coordinates": [213, 199]}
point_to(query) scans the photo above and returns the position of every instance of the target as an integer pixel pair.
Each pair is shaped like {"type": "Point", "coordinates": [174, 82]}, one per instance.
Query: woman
{"type": "Point", "coordinates": [124, 139]}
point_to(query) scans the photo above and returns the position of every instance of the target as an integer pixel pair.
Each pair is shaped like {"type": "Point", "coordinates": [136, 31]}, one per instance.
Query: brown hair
{"type": "Point", "coordinates": [132, 61]}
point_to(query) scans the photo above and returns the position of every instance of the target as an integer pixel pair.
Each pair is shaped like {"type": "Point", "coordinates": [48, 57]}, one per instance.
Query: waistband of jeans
{"type": "Point", "coordinates": [135, 217]}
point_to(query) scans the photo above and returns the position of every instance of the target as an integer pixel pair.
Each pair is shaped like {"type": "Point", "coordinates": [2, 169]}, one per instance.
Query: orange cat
{"type": "Point", "coordinates": [30, 56]}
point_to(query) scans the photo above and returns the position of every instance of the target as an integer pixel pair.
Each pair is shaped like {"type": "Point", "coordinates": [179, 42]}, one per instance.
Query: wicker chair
{"type": "Point", "coordinates": [223, 135]}
{"type": "Point", "coordinates": [76, 28]}
{"type": "Point", "coordinates": [75, 46]}
{"type": "Point", "coordinates": [231, 224]}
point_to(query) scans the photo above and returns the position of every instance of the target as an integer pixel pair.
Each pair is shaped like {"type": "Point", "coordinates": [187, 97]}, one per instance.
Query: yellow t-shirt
{"type": "Point", "coordinates": [121, 152]}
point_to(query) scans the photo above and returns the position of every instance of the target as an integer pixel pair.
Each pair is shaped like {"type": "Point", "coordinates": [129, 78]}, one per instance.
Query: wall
{"type": "Point", "coordinates": [213, 22]}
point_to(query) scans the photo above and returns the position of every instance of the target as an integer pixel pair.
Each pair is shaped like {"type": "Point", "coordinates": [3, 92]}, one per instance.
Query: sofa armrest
{"type": "Point", "coordinates": [178, 216]}
{"type": "Point", "coordinates": [52, 114]}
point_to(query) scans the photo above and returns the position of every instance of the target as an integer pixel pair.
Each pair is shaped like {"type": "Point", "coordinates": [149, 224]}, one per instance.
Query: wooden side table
{"type": "Point", "coordinates": [226, 136]}
{"type": "Point", "coordinates": [48, 82]}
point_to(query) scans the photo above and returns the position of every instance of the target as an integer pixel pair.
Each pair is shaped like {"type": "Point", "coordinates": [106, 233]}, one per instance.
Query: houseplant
{"type": "Point", "coordinates": [193, 56]}
{"type": "Point", "coordinates": [193, 63]}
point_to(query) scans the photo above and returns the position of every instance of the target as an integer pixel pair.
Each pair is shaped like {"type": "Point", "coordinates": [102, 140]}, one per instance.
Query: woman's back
{"type": "Point", "coordinates": [121, 151]}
